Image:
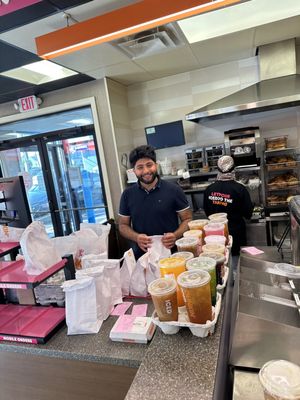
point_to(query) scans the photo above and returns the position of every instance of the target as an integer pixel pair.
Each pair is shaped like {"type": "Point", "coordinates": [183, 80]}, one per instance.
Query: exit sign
{"type": "Point", "coordinates": [28, 103]}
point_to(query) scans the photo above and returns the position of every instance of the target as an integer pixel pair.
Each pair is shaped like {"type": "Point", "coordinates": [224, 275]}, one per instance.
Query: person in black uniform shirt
{"type": "Point", "coordinates": [151, 206]}
{"type": "Point", "coordinates": [227, 195]}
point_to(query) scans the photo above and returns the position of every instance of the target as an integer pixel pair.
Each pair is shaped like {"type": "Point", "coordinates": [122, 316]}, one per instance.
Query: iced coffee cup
{"type": "Point", "coordinates": [214, 228]}
{"type": "Point", "coordinates": [222, 218]}
{"type": "Point", "coordinates": [209, 265]}
{"type": "Point", "coordinates": [214, 248]}
{"type": "Point", "coordinates": [198, 224]}
{"type": "Point", "coordinates": [190, 244]}
{"type": "Point", "coordinates": [217, 216]}
{"type": "Point", "coordinates": [280, 380]}
{"type": "Point", "coordinates": [164, 297]}
{"type": "Point", "coordinates": [194, 233]}
{"type": "Point", "coordinates": [195, 286]}
{"type": "Point", "coordinates": [171, 267]}
{"type": "Point", "coordinates": [212, 239]}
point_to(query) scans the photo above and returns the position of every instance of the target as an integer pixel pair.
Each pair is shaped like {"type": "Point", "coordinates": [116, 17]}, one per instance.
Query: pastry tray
{"type": "Point", "coordinates": [281, 166]}
{"type": "Point", "coordinates": [285, 185]}
{"type": "Point", "coordinates": [199, 330]}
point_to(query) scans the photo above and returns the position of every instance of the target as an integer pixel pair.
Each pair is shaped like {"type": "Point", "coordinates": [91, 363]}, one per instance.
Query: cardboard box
{"type": "Point", "coordinates": [129, 328]}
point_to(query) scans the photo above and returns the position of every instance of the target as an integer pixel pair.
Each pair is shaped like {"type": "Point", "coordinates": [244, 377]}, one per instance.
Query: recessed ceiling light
{"type": "Point", "coordinates": [39, 72]}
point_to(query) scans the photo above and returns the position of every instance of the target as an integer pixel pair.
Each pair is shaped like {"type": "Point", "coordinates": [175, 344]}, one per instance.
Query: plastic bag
{"type": "Point", "coordinates": [81, 306]}
{"type": "Point", "coordinates": [128, 266]}
{"type": "Point", "coordinates": [10, 234]}
{"type": "Point", "coordinates": [103, 290]}
{"type": "Point", "coordinates": [157, 250]}
{"type": "Point", "coordinates": [38, 250]}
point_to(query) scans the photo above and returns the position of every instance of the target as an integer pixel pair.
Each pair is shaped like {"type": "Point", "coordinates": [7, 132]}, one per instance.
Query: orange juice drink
{"type": "Point", "coordinates": [164, 297]}
{"type": "Point", "coordinates": [171, 267]}
{"type": "Point", "coordinates": [195, 286]}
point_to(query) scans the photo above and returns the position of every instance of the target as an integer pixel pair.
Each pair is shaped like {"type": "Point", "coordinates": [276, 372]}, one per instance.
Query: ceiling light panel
{"type": "Point", "coordinates": [39, 72]}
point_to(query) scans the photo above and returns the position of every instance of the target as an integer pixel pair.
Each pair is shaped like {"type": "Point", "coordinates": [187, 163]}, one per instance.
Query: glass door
{"type": "Point", "coordinates": [77, 182]}
{"type": "Point", "coordinates": [62, 177]}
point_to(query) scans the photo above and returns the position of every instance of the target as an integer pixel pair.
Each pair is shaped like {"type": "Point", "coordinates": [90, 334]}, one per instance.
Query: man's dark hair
{"type": "Point", "coordinates": [144, 151]}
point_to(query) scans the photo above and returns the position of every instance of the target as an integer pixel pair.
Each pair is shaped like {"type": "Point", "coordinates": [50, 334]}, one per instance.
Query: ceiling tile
{"type": "Point", "coordinates": [92, 58]}
{"type": "Point", "coordinates": [170, 62]}
{"type": "Point", "coordinates": [223, 49]}
{"type": "Point", "coordinates": [125, 73]}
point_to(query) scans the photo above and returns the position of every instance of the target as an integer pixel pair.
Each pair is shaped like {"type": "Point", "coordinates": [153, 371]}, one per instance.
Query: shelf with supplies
{"type": "Point", "coordinates": [203, 159]}
{"type": "Point", "coordinates": [282, 172]}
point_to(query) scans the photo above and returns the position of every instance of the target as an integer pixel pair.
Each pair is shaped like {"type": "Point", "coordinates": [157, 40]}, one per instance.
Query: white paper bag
{"type": "Point", "coordinates": [157, 250]}
{"type": "Point", "coordinates": [81, 306]}
{"type": "Point", "coordinates": [10, 234]}
{"type": "Point", "coordinates": [38, 250]}
{"type": "Point", "coordinates": [126, 271]}
{"type": "Point", "coordinates": [67, 245]}
{"type": "Point", "coordinates": [103, 290]}
{"type": "Point", "coordinates": [91, 260]}
{"type": "Point", "coordinates": [102, 231]}
{"type": "Point", "coordinates": [138, 286]}
{"type": "Point", "coordinates": [112, 271]}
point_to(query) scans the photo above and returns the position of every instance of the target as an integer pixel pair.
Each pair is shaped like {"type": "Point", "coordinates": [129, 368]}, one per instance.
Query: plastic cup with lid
{"type": "Point", "coordinates": [171, 267]}
{"type": "Point", "coordinates": [195, 233]}
{"type": "Point", "coordinates": [280, 380]}
{"type": "Point", "coordinates": [209, 265]}
{"type": "Point", "coordinates": [214, 228]}
{"type": "Point", "coordinates": [195, 286]}
{"type": "Point", "coordinates": [212, 239]}
{"type": "Point", "coordinates": [197, 223]}
{"type": "Point", "coordinates": [190, 244]}
{"type": "Point", "coordinates": [217, 216]}
{"type": "Point", "coordinates": [164, 297]}
{"type": "Point", "coordinates": [220, 260]}
{"type": "Point", "coordinates": [214, 248]}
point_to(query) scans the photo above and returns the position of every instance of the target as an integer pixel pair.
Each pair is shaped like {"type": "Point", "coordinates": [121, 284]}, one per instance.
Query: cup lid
{"type": "Point", "coordinates": [217, 215]}
{"type": "Point", "coordinates": [198, 222]}
{"type": "Point", "coordinates": [171, 262]}
{"type": "Point", "coordinates": [187, 241]}
{"type": "Point", "coordinates": [281, 378]}
{"type": "Point", "coordinates": [162, 286]}
{"type": "Point", "coordinates": [214, 226]}
{"type": "Point", "coordinates": [214, 247]}
{"type": "Point", "coordinates": [205, 263]}
{"type": "Point", "coordinates": [220, 258]}
{"type": "Point", "coordinates": [291, 271]}
{"type": "Point", "coordinates": [193, 232]}
{"type": "Point", "coordinates": [187, 255]}
{"type": "Point", "coordinates": [215, 239]}
{"type": "Point", "coordinates": [193, 278]}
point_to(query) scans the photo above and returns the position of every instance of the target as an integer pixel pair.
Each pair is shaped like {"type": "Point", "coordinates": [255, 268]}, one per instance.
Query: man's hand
{"type": "Point", "coordinates": [144, 241]}
{"type": "Point", "coordinates": [168, 240]}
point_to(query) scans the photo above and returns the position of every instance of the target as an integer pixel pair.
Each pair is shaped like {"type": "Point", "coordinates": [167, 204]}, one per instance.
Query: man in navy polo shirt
{"type": "Point", "coordinates": [152, 206]}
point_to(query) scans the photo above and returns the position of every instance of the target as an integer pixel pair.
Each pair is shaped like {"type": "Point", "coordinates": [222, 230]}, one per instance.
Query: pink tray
{"type": "Point", "coordinates": [13, 276]}
{"type": "Point", "coordinates": [34, 323]}
{"type": "Point", "coordinates": [6, 247]}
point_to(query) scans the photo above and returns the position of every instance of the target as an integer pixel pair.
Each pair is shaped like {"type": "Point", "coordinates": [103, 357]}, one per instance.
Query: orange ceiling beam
{"type": "Point", "coordinates": [124, 21]}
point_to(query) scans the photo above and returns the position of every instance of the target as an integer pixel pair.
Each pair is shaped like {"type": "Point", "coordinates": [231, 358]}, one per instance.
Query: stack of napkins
{"type": "Point", "coordinates": [129, 328]}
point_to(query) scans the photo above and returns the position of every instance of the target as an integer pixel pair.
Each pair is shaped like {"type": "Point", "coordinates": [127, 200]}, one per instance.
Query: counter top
{"type": "Point", "coordinates": [169, 367]}
{"type": "Point", "coordinates": [94, 347]}
{"type": "Point", "coordinates": [180, 366]}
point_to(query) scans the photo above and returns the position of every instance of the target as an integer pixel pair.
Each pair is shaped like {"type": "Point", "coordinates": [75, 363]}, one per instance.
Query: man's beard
{"type": "Point", "coordinates": [148, 182]}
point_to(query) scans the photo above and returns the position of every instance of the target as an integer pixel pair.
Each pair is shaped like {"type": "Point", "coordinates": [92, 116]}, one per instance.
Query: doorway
{"type": "Point", "coordinates": [62, 175]}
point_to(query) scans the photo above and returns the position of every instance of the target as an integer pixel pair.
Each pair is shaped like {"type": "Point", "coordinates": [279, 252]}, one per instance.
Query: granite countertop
{"type": "Point", "coordinates": [170, 366]}
{"type": "Point", "coordinates": [180, 366]}
{"type": "Point", "coordinates": [94, 347]}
